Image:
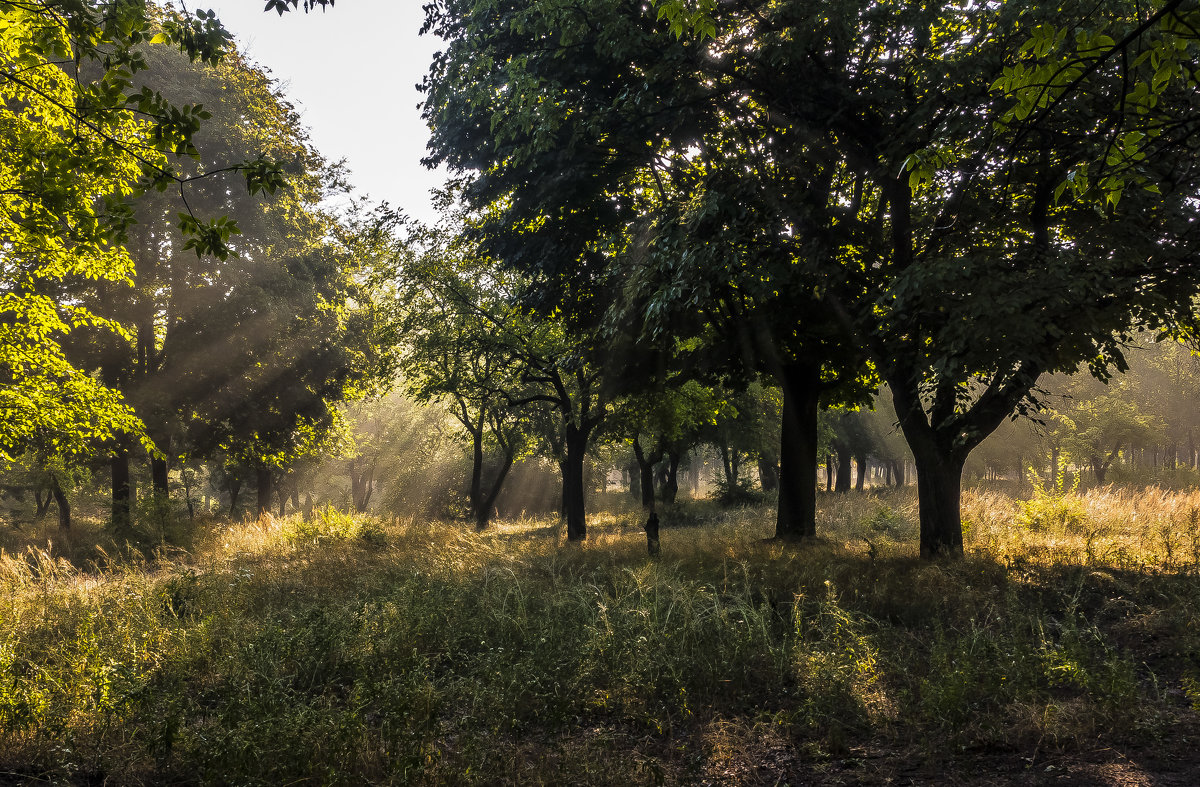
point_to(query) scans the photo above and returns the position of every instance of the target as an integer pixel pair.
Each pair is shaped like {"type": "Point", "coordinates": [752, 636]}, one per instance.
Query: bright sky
{"type": "Point", "coordinates": [352, 73]}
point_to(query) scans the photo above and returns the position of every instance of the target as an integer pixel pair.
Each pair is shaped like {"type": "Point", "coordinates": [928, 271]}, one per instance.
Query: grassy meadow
{"type": "Point", "coordinates": [1065, 649]}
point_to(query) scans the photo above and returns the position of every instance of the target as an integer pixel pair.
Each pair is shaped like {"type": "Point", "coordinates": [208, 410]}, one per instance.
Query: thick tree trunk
{"type": "Point", "coordinates": [939, 495]}
{"type": "Point", "coordinates": [64, 505]}
{"type": "Point", "coordinates": [263, 481]}
{"type": "Point", "coordinates": [860, 462]}
{"type": "Point", "coordinates": [796, 516]}
{"type": "Point", "coordinates": [842, 483]}
{"type": "Point", "coordinates": [122, 493]}
{"type": "Point", "coordinates": [573, 490]}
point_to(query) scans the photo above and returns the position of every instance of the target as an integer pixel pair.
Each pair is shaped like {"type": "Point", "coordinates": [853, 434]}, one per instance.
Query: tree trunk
{"type": "Point", "coordinates": [646, 464]}
{"type": "Point", "coordinates": [263, 480]}
{"type": "Point", "coordinates": [484, 514]}
{"type": "Point", "coordinates": [64, 506]}
{"type": "Point", "coordinates": [159, 470]}
{"type": "Point", "coordinates": [768, 473]}
{"type": "Point", "coordinates": [475, 493]}
{"type": "Point", "coordinates": [860, 462]}
{"type": "Point", "coordinates": [42, 504]}
{"type": "Point", "coordinates": [796, 515]}
{"type": "Point", "coordinates": [939, 495]}
{"type": "Point", "coordinates": [235, 490]}
{"type": "Point", "coordinates": [829, 472]}
{"type": "Point", "coordinates": [670, 489]}
{"type": "Point", "coordinates": [122, 493]}
{"type": "Point", "coordinates": [573, 490]}
{"type": "Point", "coordinates": [635, 480]}
{"type": "Point", "coordinates": [842, 483]}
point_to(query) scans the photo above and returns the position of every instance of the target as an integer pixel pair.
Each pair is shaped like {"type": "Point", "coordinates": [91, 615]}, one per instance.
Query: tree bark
{"type": "Point", "coordinates": [235, 491]}
{"type": "Point", "coordinates": [64, 505]}
{"type": "Point", "coordinates": [646, 464]}
{"type": "Point", "coordinates": [41, 504]}
{"type": "Point", "coordinates": [122, 492]}
{"type": "Point", "coordinates": [159, 471]}
{"type": "Point", "coordinates": [939, 494]}
{"type": "Point", "coordinates": [860, 463]}
{"type": "Point", "coordinates": [796, 515]}
{"type": "Point", "coordinates": [484, 513]}
{"type": "Point", "coordinates": [842, 483]}
{"type": "Point", "coordinates": [768, 473]}
{"type": "Point", "coordinates": [263, 481]}
{"type": "Point", "coordinates": [475, 493]}
{"type": "Point", "coordinates": [670, 490]}
{"type": "Point", "coordinates": [573, 490]}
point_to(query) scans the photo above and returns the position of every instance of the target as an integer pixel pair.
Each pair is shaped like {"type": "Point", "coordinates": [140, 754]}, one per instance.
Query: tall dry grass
{"type": "Point", "coordinates": [351, 650]}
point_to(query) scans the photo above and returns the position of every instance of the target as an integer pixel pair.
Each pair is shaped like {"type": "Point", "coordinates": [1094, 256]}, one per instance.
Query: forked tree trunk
{"type": "Point", "coordinates": [41, 504]}
{"type": "Point", "coordinates": [64, 505]}
{"type": "Point", "coordinates": [646, 464]}
{"type": "Point", "coordinates": [483, 513]}
{"type": "Point", "coordinates": [796, 516]}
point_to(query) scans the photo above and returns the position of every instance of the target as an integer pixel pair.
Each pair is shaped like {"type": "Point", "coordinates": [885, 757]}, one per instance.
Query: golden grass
{"type": "Point", "coordinates": [422, 652]}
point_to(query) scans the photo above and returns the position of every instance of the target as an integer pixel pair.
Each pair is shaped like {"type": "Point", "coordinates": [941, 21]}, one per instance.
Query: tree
{"type": "Point", "coordinates": [1103, 426]}
{"type": "Point", "coordinates": [452, 301]}
{"type": "Point", "coordinates": [936, 236]}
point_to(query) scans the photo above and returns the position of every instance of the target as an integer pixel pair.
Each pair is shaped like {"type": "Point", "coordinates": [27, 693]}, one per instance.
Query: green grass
{"type": "Point", "coordinates": [348, 650]}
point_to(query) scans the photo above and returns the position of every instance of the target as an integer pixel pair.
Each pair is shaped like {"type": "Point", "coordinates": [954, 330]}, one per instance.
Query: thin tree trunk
{"type": "Point", "coordinates": [484, 514]}
{"type": "Point", "coordinates": [796, 515]}
{"type": "Point", "coordinates": [670, 490]}
{"type": "Point", "coordinates": [646, 464]}
{"type": "Point", "coordinates": [122, 492]}
{"type": "Point", "coordinates": [475, 493]}
{"type": "Point", "coordinates": [235, 491]}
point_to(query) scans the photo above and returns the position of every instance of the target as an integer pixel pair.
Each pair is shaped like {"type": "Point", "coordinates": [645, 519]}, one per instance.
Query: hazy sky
{"type": "Point", "coordinates": [352, 72]}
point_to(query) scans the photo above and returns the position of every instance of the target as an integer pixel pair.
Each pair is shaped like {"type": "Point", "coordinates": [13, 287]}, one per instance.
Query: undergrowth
{"type": "Point", "coordinates": [344, 649]}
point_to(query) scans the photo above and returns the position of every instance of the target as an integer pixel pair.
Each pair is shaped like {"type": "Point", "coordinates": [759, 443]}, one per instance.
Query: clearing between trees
{"type": "Point", "coordinates": [345, 649]}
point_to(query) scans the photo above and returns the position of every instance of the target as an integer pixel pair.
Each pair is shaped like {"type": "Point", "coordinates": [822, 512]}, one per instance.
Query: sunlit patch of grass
{"type": "Point", "coordinates": [351, 649]}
